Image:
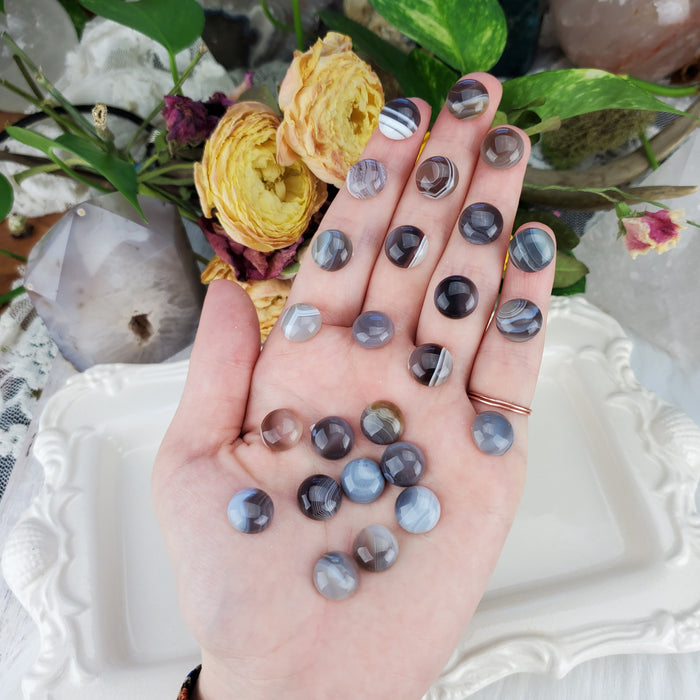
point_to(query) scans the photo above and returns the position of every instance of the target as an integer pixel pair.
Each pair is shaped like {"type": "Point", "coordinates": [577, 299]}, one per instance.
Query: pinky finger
{"type": "Point", "coordinates": [507, 363]}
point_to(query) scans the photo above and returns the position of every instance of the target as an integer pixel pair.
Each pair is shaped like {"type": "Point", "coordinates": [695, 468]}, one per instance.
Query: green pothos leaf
{"type": "Point", "coordinates": [574, 91]}
{"type": "Point", "coordinates": [77, 15]}
{"type": "Point", "coordinates": [6, 196]}
{"type": "Point", "coordinates": [578, 287]}
{"type": "Point", "coordinates": [569, 270]}
{"type": "Point", "coordinates": [174, 24]}
{"type": "Point", "coordinates": [119, 173]}
{"type": "Point", "coordinates": [428, 78]}
{"type": "Point", "coordinates": [2, 6]}
{"type": "Point", "coordinates": [469, 36]}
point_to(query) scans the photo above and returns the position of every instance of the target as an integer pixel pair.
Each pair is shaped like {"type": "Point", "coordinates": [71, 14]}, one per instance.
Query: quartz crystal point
{"type": "Point", "coordinates": [111, 287]}
{"type": "Point", "coordinates": [646, 39]}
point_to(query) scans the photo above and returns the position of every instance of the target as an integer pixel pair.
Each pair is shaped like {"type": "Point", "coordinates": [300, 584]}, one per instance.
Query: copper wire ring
{"type": "Point", "coordinates": [498, 403]}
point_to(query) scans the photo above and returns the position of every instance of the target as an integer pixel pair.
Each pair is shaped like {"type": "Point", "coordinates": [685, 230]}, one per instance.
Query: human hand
{"type": "Point", "coordinates": [249, 600]}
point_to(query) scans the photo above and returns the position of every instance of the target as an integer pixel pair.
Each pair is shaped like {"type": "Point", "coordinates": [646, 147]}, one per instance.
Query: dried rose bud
{"type": "Point", "coordinates": [652, 230]}
{"type": "Point", "coordinates": [188, 122]}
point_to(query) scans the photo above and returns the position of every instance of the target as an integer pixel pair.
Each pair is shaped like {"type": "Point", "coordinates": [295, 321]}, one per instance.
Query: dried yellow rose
{"type": "Point", "coordinates": [258, 202]}
{"type": "Point", "coordinates": [269, 296]}
{"type": "Point", "coordinates": [331, 101]}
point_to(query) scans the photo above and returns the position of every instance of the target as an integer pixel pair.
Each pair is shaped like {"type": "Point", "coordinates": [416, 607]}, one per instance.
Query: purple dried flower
{"type": "Point", "coordinates": [188, 122]}
{"type": "Point", "coordinates": [247, 263]}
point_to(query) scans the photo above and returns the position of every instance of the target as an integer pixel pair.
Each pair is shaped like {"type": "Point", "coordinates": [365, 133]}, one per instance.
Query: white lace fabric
{"type": "Point", "coordinates": [26, 355]}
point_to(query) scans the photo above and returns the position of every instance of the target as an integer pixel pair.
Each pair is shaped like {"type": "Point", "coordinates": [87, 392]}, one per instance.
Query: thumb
{"type": "Point", "coordinates": [225, 351]}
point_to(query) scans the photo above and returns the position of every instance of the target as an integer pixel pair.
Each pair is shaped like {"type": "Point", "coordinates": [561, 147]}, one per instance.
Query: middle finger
{"type": "Point", "coordinates": [431, 202]}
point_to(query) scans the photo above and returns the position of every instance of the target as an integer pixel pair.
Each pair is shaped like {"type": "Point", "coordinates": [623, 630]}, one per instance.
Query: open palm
{"type": "Point", "coordinates": [249, 600]}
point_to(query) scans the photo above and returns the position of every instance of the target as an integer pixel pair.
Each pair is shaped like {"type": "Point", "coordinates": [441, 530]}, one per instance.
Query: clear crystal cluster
{"type": "Point", "coordinates": [111, 287]}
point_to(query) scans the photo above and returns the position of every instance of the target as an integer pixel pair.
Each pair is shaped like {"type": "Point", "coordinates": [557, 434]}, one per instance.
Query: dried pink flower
{"type": "Point", "coordinates": [247, 263]}
{"type": "Point", "coordinates": [657, 230]}
{"type": "Point", "coordinates": [190, 122]}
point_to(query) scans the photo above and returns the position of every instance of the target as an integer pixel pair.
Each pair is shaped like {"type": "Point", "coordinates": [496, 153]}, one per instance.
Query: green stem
{"type": "Point", "coordinates": [50, 167]}
{"type": "Point", "coordinates": [601, 191]}
{"type": "Point", "coordinates": [78, 119]}
{"type": "Point", "coordinates": [298, 30]}
{"type": "Point", "coordinates": [27, 77]}
{"type": "Point", "coordinates": [148, 162]}
{"type": "Point", "coordinates": [159, 193]}
{"type": "Point", "coordinates": [64, 124]}
{"type": "Point", "coordinates": [273, 21]}
{"type": "Point", "coordinates": [9, 296]}
{"type": "Point", "coordinates": [165, 169]}
{"type": "Point", "coordinates": [170, 181]}
{"type": "Point", "coordinates": [186, 74]}
{"type": "Point", "coordinates": [666, 90]}
{"type": "Point", "coordinates": [649, 151]}
{"type": "Point", "coordinates": [18, 91]}
{"type": "Point", "coordinates": [173, 67]}
{"type": "Point", "coordinates": [77, 175]}
{"type": "Point", "coordinates": [14, 256]}
{"type": "Point", "coordinates": [88, 130]}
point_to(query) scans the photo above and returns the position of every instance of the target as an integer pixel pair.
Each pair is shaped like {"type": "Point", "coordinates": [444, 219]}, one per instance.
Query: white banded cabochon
{"type": "Point", "coordinates": [399, 119]}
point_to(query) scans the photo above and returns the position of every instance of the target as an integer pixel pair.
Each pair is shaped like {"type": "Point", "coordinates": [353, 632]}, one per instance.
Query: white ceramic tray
{"type": "Point", "coordinates": [603, 558]}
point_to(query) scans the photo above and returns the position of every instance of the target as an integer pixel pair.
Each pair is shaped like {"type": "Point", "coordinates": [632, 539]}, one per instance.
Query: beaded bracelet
{"type": "Point", "coordinates": [187, 689]}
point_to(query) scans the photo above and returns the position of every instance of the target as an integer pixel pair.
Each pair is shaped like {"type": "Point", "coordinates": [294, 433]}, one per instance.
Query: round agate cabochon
{"type": "Point", "coordinates": [467, 99]}
{"type": "Point", "coordinates": [332, 437]}
{"type": "Point", "coordinates": [372, 329]}
{"type": "Point", "coordinates": [366, 178]}
{"type": "Point", "coordinates": [399, 119]}
{"type": "Point", "coordinates": [331, 250]}
{"type": "Point", "coordinates": [531, 249]}
{"type": "Point", "coordinates": [436, 177]}
{"type": "Point", "coordinates": [492, 433]}
{"type": "Point", "coordinates": [502, 148]}
{"type": "Point", "coordinates": [430, 364]}
{"type": "Point", "coordinates": [319, 497]}
{"type": "Point", "coordinates": [281, 429]}
{"type": "Point", "coordinates": [300, 322]}
{"type": "Point", "coordinates": [519, 320]}
{"type": "Point", "coordinates": [362, 480]}
{"type": "Point", "coordinates": [417, 509]}
{"type": "Point", "coordinates": [382, 422]}
{"type": "Point", "coordinates": [250, 511]}
{"type": "Point", "coordinates": [456, 296]}
{"type": "Point", "coordinates": [406, 246]}
{"type": "Point", "coordinates": [375, 548]}
{"type": "Point", "coordinates": [480, 223]}
{"type": "Point", "coordinates": [403, 464]}
{"type": "Point", "coordinates": [336, 575]}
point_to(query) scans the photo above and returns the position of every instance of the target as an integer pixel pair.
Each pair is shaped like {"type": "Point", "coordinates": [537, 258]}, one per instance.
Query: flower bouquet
{"type": "Point", "coordinates": [256, 170]}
